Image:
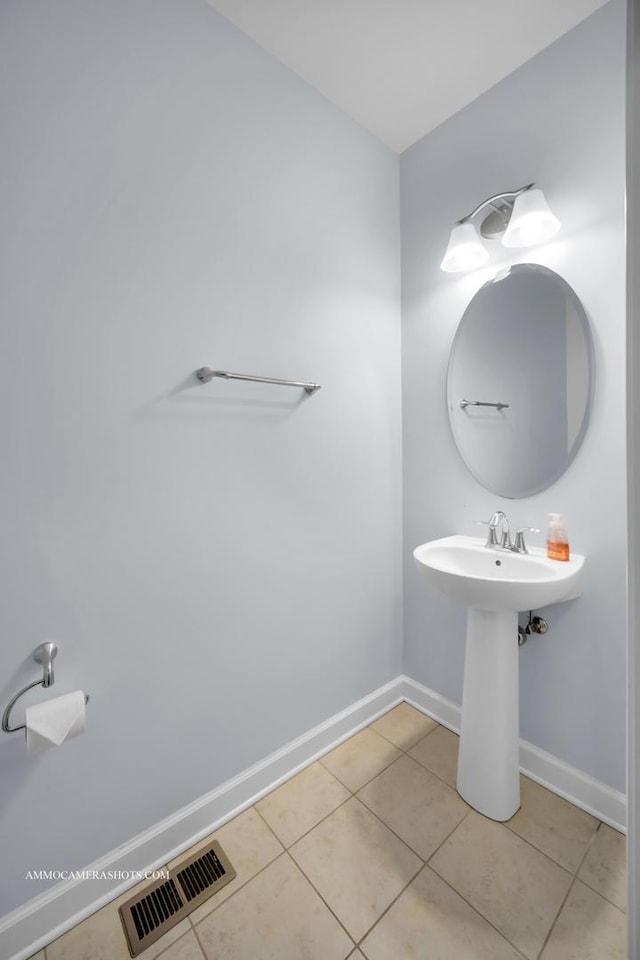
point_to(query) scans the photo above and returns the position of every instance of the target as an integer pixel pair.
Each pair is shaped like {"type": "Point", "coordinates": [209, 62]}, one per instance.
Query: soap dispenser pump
{"type": "Point", "coordinates": [557, 539]}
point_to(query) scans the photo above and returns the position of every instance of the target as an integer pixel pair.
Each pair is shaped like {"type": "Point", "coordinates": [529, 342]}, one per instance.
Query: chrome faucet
{"type": "Point", "coordinates": [499, 535]}
{"type": "Point", "coordinates": [496, 521]}
{"type": "Point", "coordinates": [499, 527]}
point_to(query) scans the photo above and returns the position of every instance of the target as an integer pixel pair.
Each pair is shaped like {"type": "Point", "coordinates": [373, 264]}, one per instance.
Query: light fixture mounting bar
{"type": "Point", "coordinates": [508, 197]}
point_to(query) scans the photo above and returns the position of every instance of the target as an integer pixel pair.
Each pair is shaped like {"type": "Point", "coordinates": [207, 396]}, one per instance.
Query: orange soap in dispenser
{"type": "Point", "coordinates": [557, 539]}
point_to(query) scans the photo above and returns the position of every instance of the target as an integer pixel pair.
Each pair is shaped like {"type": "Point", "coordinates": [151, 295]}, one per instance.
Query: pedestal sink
{"type": "Point", "coordinates": [495, 585]}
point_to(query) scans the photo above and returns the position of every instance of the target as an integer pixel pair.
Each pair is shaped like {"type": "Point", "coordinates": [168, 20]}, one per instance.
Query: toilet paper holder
{"type": "Point", "coordinates": [44, 654]}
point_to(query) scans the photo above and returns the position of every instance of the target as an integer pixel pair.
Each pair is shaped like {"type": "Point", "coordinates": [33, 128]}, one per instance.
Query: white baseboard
{"type": "Point", "coordinates": [579, 788]}
{"type": "Point", "coordinates": [46, 917]}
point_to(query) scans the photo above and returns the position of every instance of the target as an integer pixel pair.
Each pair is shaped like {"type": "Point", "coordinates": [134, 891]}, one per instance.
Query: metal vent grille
{"type": "Point", "coordinates": [155, 909]}
{"type": "Point", "coordinates": [149, 915]}
{"type": "Point", "coordinates": [198, 876]}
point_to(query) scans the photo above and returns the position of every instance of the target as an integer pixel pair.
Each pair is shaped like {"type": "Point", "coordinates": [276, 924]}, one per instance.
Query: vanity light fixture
{"type": "Point", "coordinates": [520, 217]}
{"type": "Point", "coordinates": [465, 251]}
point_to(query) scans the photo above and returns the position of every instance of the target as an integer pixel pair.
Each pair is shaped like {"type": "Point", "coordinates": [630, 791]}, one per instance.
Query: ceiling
{"type": "Point", "coordinates": [401, 67]}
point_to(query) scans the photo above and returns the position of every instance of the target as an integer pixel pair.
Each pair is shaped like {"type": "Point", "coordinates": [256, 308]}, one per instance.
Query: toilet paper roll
{"type": "Point", "coordinates": [51, 723]}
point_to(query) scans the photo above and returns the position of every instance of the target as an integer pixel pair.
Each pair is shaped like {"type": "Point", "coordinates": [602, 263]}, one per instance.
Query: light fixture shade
{"type": "Point", "coordinates": [465, 250]}
{"type": "Point", "coordinates": [531, 221]}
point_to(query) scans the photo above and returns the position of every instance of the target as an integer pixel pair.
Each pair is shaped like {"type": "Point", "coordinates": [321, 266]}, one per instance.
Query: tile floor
{"type": "Point", "coordinates": [370, 853]}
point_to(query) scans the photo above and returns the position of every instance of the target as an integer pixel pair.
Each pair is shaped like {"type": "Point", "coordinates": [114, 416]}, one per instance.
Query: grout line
{"type": "Point", "coordinates": [317, 892]}
{"type": "Point", "coordinates": [159, 956]}
{"type": "Point", "coordinates": [602, 896]}
{"type": "Point", "coordinates": [404, 750]}
{"type": "Point", "coordinates": [424, 766]}
{"type": "Point", "coordinates": [391, 830]}
{"type": "Point", "coordinates": [438, 726]}
{"type": "Point", "coordinates": [307, 832]}
{"type": "Point", "coordinates": [422, 736]}
{"type": "Point", "coordinates": [574, 873]}
{"type": "Point", "coordinates": [353, 792]}
{"type": "Point", "coordinates": [555, 919]}
{"type": "Point", "coordinates": [468, 902]}
{"type": "Point", "coordinates": [571, 886]}
{"type": "Point", "coordinates": [267, 824]}
{"type": "Point", "coordinates": [505, 823]}
{"type": "Point", "coordinates": [529, 843]}
{"type": "Point", "coordinates": [221, 903]}
{"type": "Point", "coordinates": [427, 864]}
{"type": "Point", "coordinates": [438, 777]}
{"type": "Point", "coordinates": [406, 842]}
{"type": "Point", "coordinates": [450, 834]}
{"type": "Point", "coordinates": [198, 940]}
{"type": "Point", "coordinates": [356, 792]}
{"type": "Point", "coordinates": [285, 849]}
{"type": "Point", "coordinates": [353, 795]}
{"type": "Point", "coordinates": [585, 882]}
{"type": "Point", "coordinates": [462, 896]}
{"type": "Point", "coordinates": [476, 911]}
{"type": "Point", "coordinates": [232, 895]}
{"type": "Point", "coordinates": [409, 882]}
{"type": "Point", "coordinates": [391, 762]}
{"type": "Point", "coordinates": [395, 900]}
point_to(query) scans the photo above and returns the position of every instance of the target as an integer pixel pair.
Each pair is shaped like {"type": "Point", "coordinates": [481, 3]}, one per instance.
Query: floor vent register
{"type": "Point", "coordinates": [164, 903]}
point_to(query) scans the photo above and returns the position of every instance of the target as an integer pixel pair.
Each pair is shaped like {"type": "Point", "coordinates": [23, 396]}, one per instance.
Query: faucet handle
{"type": "Point", "coordinates": [519, 545]}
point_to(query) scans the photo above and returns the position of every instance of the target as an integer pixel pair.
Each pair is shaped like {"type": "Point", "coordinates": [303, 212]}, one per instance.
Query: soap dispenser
{"type": "Point", "coordinates": [557, 539]}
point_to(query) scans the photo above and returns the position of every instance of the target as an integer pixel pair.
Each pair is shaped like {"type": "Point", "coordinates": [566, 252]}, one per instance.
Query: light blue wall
{"type": "Point", "coordinates": [559, 121]}
{"type": "Point", "coordinates": [220, 565]}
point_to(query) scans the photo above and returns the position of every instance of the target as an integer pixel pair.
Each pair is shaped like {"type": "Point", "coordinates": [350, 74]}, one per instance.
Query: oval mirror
{"type": "Point", "coordinates": [520, 380]}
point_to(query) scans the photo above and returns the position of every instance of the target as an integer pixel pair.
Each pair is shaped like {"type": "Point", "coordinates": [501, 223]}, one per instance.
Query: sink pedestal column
{"type": "Point", "coordinates": [489, 758]}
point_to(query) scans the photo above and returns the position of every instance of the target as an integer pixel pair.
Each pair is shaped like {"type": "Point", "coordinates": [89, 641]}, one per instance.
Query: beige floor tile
{"type": "Point", "coordinates": [356, 864]}
{"type": "Point", "coordinates": [250, 845]}
{"type": "Point", "coordinates": [605, 866]}
{"type": "Point", "coordinates": [588, 928]}
{"type": "Point", "coordinates": [403, 726]}
{"type": "Point", "coordinates": [553, 825]}
{"type": "Point", "coordinates": [438, 752]}
{"type": "Point", "coordinates": [302, 802]}
{"type": "Point", "coordinates": [415, 804]}
{"type": "Point", "coordinates": [430, 912]}
{"type": "Point", "coordinates": [276, 916]}
{"type": "Point", "coordinates": [186, 948]}
{"type": "Point", "coordinates": [101, 937]}
{"type": "Point", "coordinates": [360, 759]}
{"type": "Point", "coordinates": [517, 888]}
{"type": "Point", "coordinates": [37, 956]}
{"type": "Point", "coordinates": [356, 955]}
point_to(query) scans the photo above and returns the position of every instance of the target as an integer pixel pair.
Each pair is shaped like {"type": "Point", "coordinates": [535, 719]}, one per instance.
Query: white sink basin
{"type": "Point", "coordinates": [495, 585]}
{"type": "Point", "coordinates": [491, 579]}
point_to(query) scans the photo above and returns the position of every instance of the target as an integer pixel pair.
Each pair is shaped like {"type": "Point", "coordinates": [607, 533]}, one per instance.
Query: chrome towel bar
{"type": "Point", "coordinates": [482, 403]}
{"type": "Point", "coordinates": [204, 375]}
